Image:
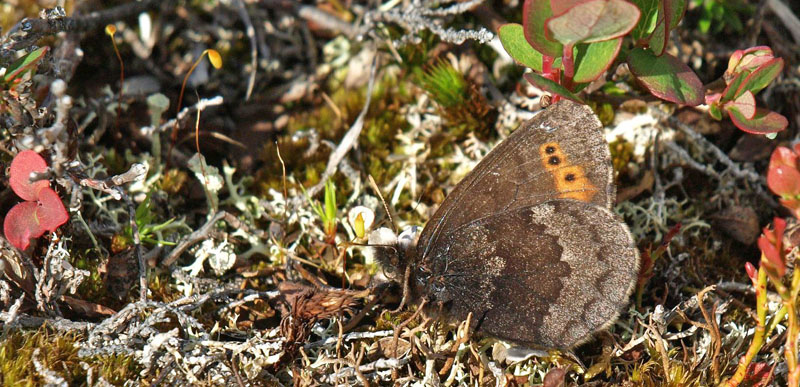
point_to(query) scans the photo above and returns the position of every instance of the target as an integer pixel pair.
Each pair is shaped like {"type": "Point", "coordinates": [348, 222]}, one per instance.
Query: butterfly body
{"type": "Point", "coordinates": [527, 241]}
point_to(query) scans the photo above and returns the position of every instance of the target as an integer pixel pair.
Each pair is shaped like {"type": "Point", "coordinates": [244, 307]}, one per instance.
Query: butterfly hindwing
{"type": "Point", "coordinates": [546, 275]}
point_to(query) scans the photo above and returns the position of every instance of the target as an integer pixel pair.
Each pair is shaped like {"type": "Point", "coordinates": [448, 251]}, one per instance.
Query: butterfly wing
{"type": "Point", "coordinates": [546, 275]}
{"type": "Point", "coordinates": [560, 153]}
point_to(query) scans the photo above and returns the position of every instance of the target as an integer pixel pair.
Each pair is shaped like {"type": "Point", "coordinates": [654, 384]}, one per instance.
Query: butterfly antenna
{"type": "Point", "coordinates": [385, 206]}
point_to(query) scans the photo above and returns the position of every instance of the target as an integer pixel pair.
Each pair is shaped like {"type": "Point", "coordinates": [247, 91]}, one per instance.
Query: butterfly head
{"type": "Point", "coordinates": [394, 252]}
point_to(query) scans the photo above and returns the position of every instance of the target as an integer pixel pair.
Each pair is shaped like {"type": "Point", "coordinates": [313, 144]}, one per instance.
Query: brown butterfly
{"type": "Point", "coordinates": [527, 241]}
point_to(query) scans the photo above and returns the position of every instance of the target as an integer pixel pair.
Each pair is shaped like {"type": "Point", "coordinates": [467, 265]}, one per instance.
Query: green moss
{"type": "Point", "coordinates": [381, 124]}
{"type": "Point", "coordinates": [57, 352]}
{"type": "Point", "coordinates": [621, 155]}
{"type": "Point", "coordinates": [463, 107]}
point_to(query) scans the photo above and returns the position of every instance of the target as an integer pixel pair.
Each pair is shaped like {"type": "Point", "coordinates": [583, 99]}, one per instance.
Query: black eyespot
{"type": "Point", "coordinates": [550, 149]}
{"type": "Point", "coordinates": [569, 177]}
{"type": "Point", "coordinates": [554, 160]}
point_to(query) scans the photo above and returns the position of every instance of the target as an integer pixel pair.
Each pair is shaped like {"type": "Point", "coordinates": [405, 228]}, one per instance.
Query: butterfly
{"type": "Point", "coordinates": [527, 241]}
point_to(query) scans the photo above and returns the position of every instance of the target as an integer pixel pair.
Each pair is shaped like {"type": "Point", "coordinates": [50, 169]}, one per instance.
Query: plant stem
{"type": "Point", "coordinates": [790, 348]}
{"type": "Point", "coordinates": [758, 335]}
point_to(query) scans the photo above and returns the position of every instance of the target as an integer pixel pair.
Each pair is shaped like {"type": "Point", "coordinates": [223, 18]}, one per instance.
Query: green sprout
{"type": "Point", "coordinates": [148, 229]}
{"type": "Point", "coordinates": [444, 83]}
{"type": "Point", "coordinates": [327, 212]}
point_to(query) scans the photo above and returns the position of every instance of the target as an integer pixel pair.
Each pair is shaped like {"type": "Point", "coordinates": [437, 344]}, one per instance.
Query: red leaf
{"type": "Point", "coordinates": [758, 375]}
{"type": "Point", "coordinates": [23, 164]}
{"type": "Point", "coordinates": [772, 255]}
{"type": "Point", "coordinates": [561, 6]}
{"type": "Point", "coordinates": [793, 204]}
{"type": "Point", "coordinates": [50, 211]}
{"type": "Point", "coordinates": [783, 180]}
{"type": "Point", "coordinates": [780, 227]}
{"type": "Point", "coordinates": [751, 272]}
{"type": "Point", "coordinates": [783, 156]}
{"type": "Point", "coordinates": [747, 60]}
{"type": "Point", "coordinates": [20, 225]}
{"type": "Point", "coordinates": [745, 103]}
{"type": "Point", "coordinates": [763, 122]}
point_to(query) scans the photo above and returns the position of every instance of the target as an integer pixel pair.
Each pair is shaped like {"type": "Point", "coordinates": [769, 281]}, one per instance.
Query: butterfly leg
{"type": "Point", "coordinates": [406, 289]}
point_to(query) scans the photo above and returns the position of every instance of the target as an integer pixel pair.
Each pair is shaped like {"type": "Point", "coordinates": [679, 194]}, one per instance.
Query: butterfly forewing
{"type": "Point", "coordinates": [540, 161]}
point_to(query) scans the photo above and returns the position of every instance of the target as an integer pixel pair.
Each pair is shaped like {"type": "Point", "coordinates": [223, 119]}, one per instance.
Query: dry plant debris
{"type": "Point", "coordinates": [214, 233]}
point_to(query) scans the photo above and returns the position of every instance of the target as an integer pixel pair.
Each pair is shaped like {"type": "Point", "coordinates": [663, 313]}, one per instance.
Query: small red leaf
{"type": "Point", "coordinates": [772, 255]}
{"type": "Point", "coordinates": [747, 60]}
{"type": "Point", "coordinates": [745, 103]}
{"type": "Point", "coordinates": [758, 375]}
{"type": "Point", "coordinates": [792, 204]}
{"type": "Point", "coordinates": [751, 272]}
{"type": "Point", "coordinates": [22, 166]}
{"type": "Point", "coordinates": [783, 180]}
{"type": "Point", "coordinates": [561, 6]}
{"type": "Point", "coordinates": [784, 156]}
{"type": "Point", "coordinates": [50, 211]}
{"type": "Point", "coordinates": [763, 122]}
{"type": "Point", "coordinates": [20, 225]}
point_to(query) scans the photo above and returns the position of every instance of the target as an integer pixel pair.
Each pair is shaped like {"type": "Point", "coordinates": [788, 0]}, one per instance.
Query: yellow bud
{"type": "Point", "coordinates": [111, 30]}
{"type": "Point", "coordinates": [361, 219]}
{"type": "Point", "coordinates": [358, 226]}
{"type": "Point", "coordinates": [214, 58]}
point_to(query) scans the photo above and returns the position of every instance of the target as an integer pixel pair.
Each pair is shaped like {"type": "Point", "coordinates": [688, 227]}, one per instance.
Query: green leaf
{"type": "Point", "coordinates": [666, 77]}
{"type": "Point", "coordinates": [764, 121]}
{"type": "Point", "coordinates": [551, 87]}
{"type": "Point", "coordinates": [744, 104]}
{"type": "Point", "coordinates": [730, 91]}
{"type": "Point", "coordinates": [647, 22]}
{"type": "Point", "coordinates": [670, 13]}
{"type": "Point", "coordinates": [534, 15]}
{"type": "Point", "coordinates": [714, 111]}
{"type": "Point", "coordinates": [593, 21]}
{"type": "Point", "coordinates": [761, 77]}
{"type": "Point", "coordinates": [704, 24]}
{"type": "Point", "coordinates": [592, 60]}
{"type": "Point", "coordinates": [24, 64]}
{"type": "Point", "coordinates": [512, 36]}
{"type": "Point", "coordinates": [330, 201]}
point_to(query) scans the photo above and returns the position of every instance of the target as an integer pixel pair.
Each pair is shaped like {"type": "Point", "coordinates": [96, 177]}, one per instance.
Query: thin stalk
{"type": "Point", "coordinates": [758, 335]}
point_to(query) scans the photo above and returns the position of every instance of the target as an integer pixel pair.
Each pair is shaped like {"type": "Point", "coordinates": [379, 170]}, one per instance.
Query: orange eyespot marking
{"type": "Point", "coordinates": [571, 181]}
